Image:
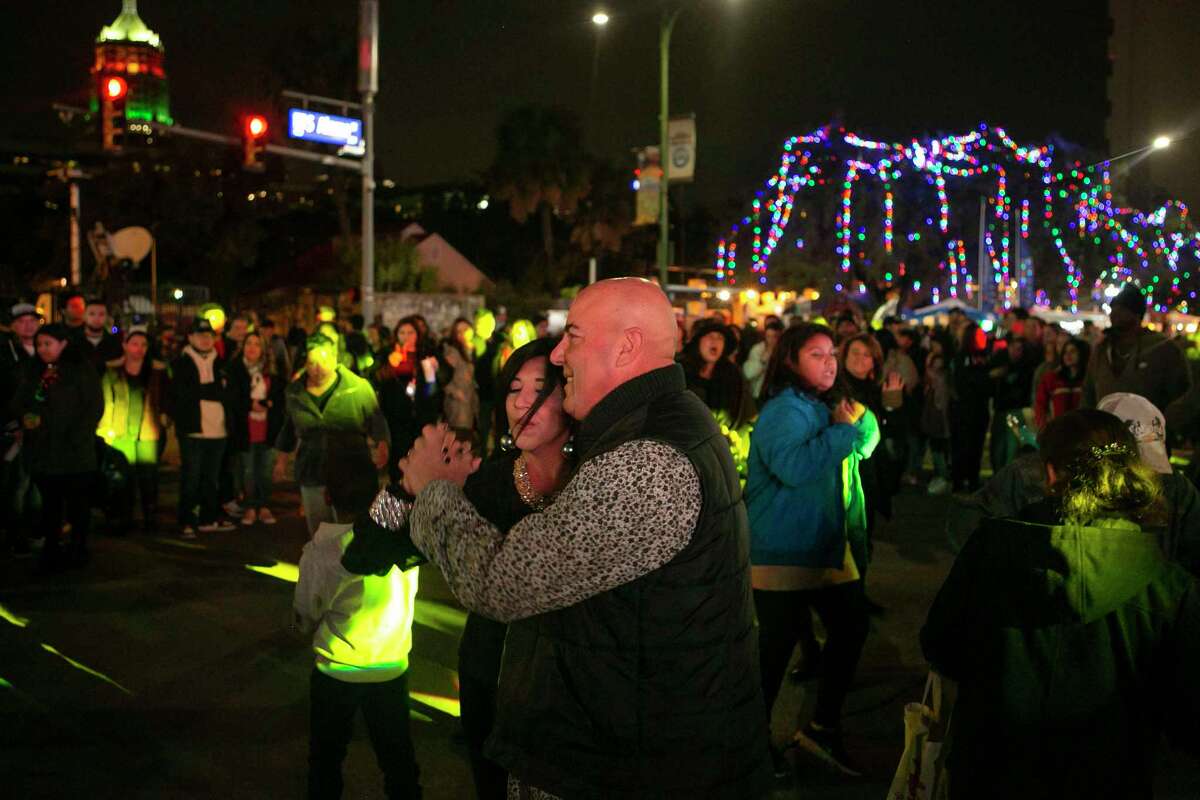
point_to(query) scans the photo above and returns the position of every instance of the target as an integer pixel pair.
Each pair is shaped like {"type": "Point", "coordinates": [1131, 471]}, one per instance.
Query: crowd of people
{"type": "Point", "coordinates": [643, 515]}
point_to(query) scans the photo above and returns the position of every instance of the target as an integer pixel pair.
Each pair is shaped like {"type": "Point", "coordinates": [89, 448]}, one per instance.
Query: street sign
{"type": "Point", "coordinates": [313, 126]}
{"type": "Point", "coordinates": [681, 138]}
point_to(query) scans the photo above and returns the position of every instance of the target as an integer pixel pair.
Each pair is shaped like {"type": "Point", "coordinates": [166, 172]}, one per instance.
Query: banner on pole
{"type": "Point", "coordinates": [647, 185]}
{"type": "Point", "coordinates": [681, 146]}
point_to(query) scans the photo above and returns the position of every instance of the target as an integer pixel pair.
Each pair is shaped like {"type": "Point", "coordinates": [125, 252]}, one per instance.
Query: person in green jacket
{"type": "Point", "coordinates": [1074, 641]}
{"type": "Point", "coordinates": [132, 424]}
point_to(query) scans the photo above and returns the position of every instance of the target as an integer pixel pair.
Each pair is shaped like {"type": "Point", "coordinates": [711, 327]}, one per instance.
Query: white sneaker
{"type": "Point", "coordinates": [188, 532]}
{"type": "Point", "coordinates": [220, 526]}
{"type": "Point", "coordinates": [233, 509]}
{"type": "Point", "coordinates": [249, 518]}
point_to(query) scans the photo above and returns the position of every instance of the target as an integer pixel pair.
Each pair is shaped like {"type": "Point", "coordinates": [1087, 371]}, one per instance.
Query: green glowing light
{"type": "Point", "coordinates": [128, 27]}
{"type": "Point", "coordinates": [522, 333]}
{"type": "Point", "coordinates": [85, 668]}
{"type": "Point", "coordinates": [6, 685]}
{"type": "Point", "coordinates": [447, 705]}
{"type": "Point", "coordinates": [12, 618]}
{"type": "Point", "coordinates": [440, 617]}
{"type": "Point", "coordinates": [282, 570]}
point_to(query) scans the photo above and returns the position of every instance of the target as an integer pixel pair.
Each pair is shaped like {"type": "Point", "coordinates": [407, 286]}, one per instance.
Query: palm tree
{"type": "Point", "coordinates": [540, 167]}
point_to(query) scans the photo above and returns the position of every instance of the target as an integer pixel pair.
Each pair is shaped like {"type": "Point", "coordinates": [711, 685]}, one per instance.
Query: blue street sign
{"type": "Point", "coordinates": [328, 128]}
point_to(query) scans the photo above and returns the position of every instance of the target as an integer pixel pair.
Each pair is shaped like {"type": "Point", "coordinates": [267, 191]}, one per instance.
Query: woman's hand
{"type": "Point", "coordinates": [893, 382]}
{"type": "Point", "coordinates": [437, 455]}
{"type": "Point", "coordinates": [843, 413]}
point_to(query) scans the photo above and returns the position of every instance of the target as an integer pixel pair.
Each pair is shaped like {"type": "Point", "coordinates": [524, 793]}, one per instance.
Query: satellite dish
{"type": "Point", "coordinates": [132, 243]}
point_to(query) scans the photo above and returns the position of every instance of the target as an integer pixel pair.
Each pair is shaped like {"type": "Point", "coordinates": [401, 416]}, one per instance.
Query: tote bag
{"type": "Point", "coordinates": [921, 774]}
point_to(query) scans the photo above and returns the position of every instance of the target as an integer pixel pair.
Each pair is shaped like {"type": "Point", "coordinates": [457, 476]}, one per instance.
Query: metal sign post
{"type": "Point", "coordinates": [368, 84]}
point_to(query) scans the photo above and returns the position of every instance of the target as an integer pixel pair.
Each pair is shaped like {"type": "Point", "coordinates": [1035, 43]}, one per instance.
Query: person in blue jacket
{"type": "Point", "coordinates": [799, 547]}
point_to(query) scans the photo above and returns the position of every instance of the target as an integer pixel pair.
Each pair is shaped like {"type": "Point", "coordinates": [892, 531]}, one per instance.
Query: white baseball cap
{"type": "Point", "coordinates": [1145, 422]}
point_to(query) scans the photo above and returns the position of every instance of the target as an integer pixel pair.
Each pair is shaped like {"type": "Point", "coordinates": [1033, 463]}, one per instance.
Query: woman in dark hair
{"type": "Point", "coordinates": [59, 404]}
{"type": "Point", "coordinates": [970, 393]}
{"type": "Point", "coordinates": [529, 468]}
{"type": "Point", "coordinates": [713, 377]}
{"type": "Point", "coordinates": [1071, 636]}
{"type": "Point", "coordinates": [1061, 389]}
{"type": "Point", "coordinates": [406, 383]}
{"type": "Point", "coordinates": [800, 552]}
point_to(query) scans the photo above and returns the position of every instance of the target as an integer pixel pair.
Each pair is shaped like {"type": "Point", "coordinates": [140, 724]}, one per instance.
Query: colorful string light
{"type": "Point", "coordinates": [1146, 246]}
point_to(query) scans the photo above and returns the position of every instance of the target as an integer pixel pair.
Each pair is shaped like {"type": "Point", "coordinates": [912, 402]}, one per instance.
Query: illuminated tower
{"type": "Point", "coordinates": [129, 49]}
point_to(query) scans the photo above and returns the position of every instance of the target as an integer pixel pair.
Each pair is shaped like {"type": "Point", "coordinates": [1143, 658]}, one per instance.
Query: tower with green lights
{"type": "Point", "coordinates": [129, 49]}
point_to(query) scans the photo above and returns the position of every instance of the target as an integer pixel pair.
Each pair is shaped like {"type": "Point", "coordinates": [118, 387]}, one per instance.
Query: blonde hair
{"type": "Point", "coordinates": [1098, 471]}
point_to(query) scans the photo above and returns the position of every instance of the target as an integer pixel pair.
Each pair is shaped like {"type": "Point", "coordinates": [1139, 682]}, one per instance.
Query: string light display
{"type": "Point", "coordinates": [926, 185]}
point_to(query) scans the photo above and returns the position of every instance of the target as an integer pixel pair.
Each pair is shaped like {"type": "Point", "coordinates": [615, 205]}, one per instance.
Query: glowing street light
{"type": "Point", "coordinates": [600, 19]}
{"type": "Point", "coordinates": [1161, 142]}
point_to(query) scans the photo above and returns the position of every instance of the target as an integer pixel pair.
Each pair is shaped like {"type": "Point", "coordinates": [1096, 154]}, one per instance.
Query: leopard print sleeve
{"type": "Point", "coordinates": [624, 514]}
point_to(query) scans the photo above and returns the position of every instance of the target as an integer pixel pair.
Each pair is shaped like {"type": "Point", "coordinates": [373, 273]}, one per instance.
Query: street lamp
{"type": "Point", "coordinates": [1161, 142]}
{"type": "Point", "coordinates": [600, 19]}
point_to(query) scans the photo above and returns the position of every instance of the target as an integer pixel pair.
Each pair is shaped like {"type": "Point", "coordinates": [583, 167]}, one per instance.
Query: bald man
{"type": "Point", "coordinates": [631, 665]}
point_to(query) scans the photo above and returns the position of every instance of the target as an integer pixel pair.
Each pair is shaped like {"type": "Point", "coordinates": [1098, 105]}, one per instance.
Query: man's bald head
{"type": "Point", "coordinates": [634, 304]}
{"type": "Point", "coordinates": [617, 329]}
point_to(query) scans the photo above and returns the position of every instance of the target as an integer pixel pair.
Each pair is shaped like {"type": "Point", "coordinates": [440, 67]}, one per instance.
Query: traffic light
{"type": "Point", "coordinates": [254, 139]}
{"type": "Point", "coordinates": [113, 93]}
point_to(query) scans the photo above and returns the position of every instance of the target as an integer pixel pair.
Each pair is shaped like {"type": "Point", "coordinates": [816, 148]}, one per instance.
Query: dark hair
{"type": "Point", "coordinates": [317, 340]}
{"type": "Point", "coordinates": [58, 330]}
{"type": "Point", "coordinates": [1019, 313]}
{"type": "Point", "coordinates": [780, 375]}
{"type": "Point", "coordinates": [349, 474]}
{"type": "Point", "coordinates": [450, 341]}
{"type": "Point", "coordinates": [872, 345]}
{"type": "Point", "coordinates": [95, 301]}
{"type": "Point", "coordinates": [267, 358]}
{"type": "Point", "coordinates": [296, 336]}
{"type": "Point", "coordinates": [419, 326]}
{"type": "Point", "coordinates": [774, 325]}
{"type": "Point", "coordinates": [538, 348]}
{"type": "Point", "coordinates": [690, 356]}
{"type": "Point", "coordinates": [357, 322]}
{"type": "Point", "coordinates": [1084, 350]}
{"type": "Point", "coordinates": [1098, 469]}
{"type": "Point", "coordinates": [55, 330]}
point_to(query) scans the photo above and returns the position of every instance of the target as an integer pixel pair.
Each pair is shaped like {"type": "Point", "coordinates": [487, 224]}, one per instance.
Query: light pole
{"type": "Point", "coordinates": [1161, 142]}
{"type": "Point", "coordinates": [664, 158]}
{"type": "Point", "coordinates": [600, 21]}
{"type": "Point", "coordinates": [368, 84]}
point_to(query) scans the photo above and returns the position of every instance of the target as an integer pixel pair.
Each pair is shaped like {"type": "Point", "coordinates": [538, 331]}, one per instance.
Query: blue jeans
{"type": "Point", "coordinates": [257, 463]}
{"type": "Point", "coordinates": [199, 480]}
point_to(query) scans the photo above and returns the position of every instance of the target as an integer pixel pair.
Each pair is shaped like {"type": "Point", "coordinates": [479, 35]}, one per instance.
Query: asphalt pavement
{"type": "Point", "coordinates": [166, 669]}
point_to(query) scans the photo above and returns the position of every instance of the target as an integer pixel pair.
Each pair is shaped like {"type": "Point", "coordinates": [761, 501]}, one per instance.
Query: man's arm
{"type": "Point", "coordinates": [624, 514]}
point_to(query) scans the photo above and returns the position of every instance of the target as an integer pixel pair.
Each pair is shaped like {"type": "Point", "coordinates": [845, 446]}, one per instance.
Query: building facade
{"type": "Point", "coordinates": [1154, 50]}
{"type": "Point", "coordinates": [130, 50]}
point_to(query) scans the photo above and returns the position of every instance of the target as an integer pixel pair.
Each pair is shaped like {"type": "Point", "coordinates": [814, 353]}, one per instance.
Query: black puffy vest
{"type": "Point", "coordinates": [651, 689]}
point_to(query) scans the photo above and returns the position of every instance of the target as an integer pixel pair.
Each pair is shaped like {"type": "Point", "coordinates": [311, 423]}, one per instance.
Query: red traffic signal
{"type": "Point", "coordinates": [254, 133]}
{"type": "Point", "coordinates": [256, 126]}
{"type": "Point", "coordinates": [115, 88]}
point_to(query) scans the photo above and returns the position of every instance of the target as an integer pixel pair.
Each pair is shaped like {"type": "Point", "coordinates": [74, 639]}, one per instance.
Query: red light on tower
{"type": "Point", "coordinates": [115, 88]}
{"type": "Point", "coordinates": [254, 133]}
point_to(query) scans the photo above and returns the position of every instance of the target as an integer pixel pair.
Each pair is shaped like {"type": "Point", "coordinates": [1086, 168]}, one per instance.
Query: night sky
{"type": "Point", "coordinates": [753, 71]}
